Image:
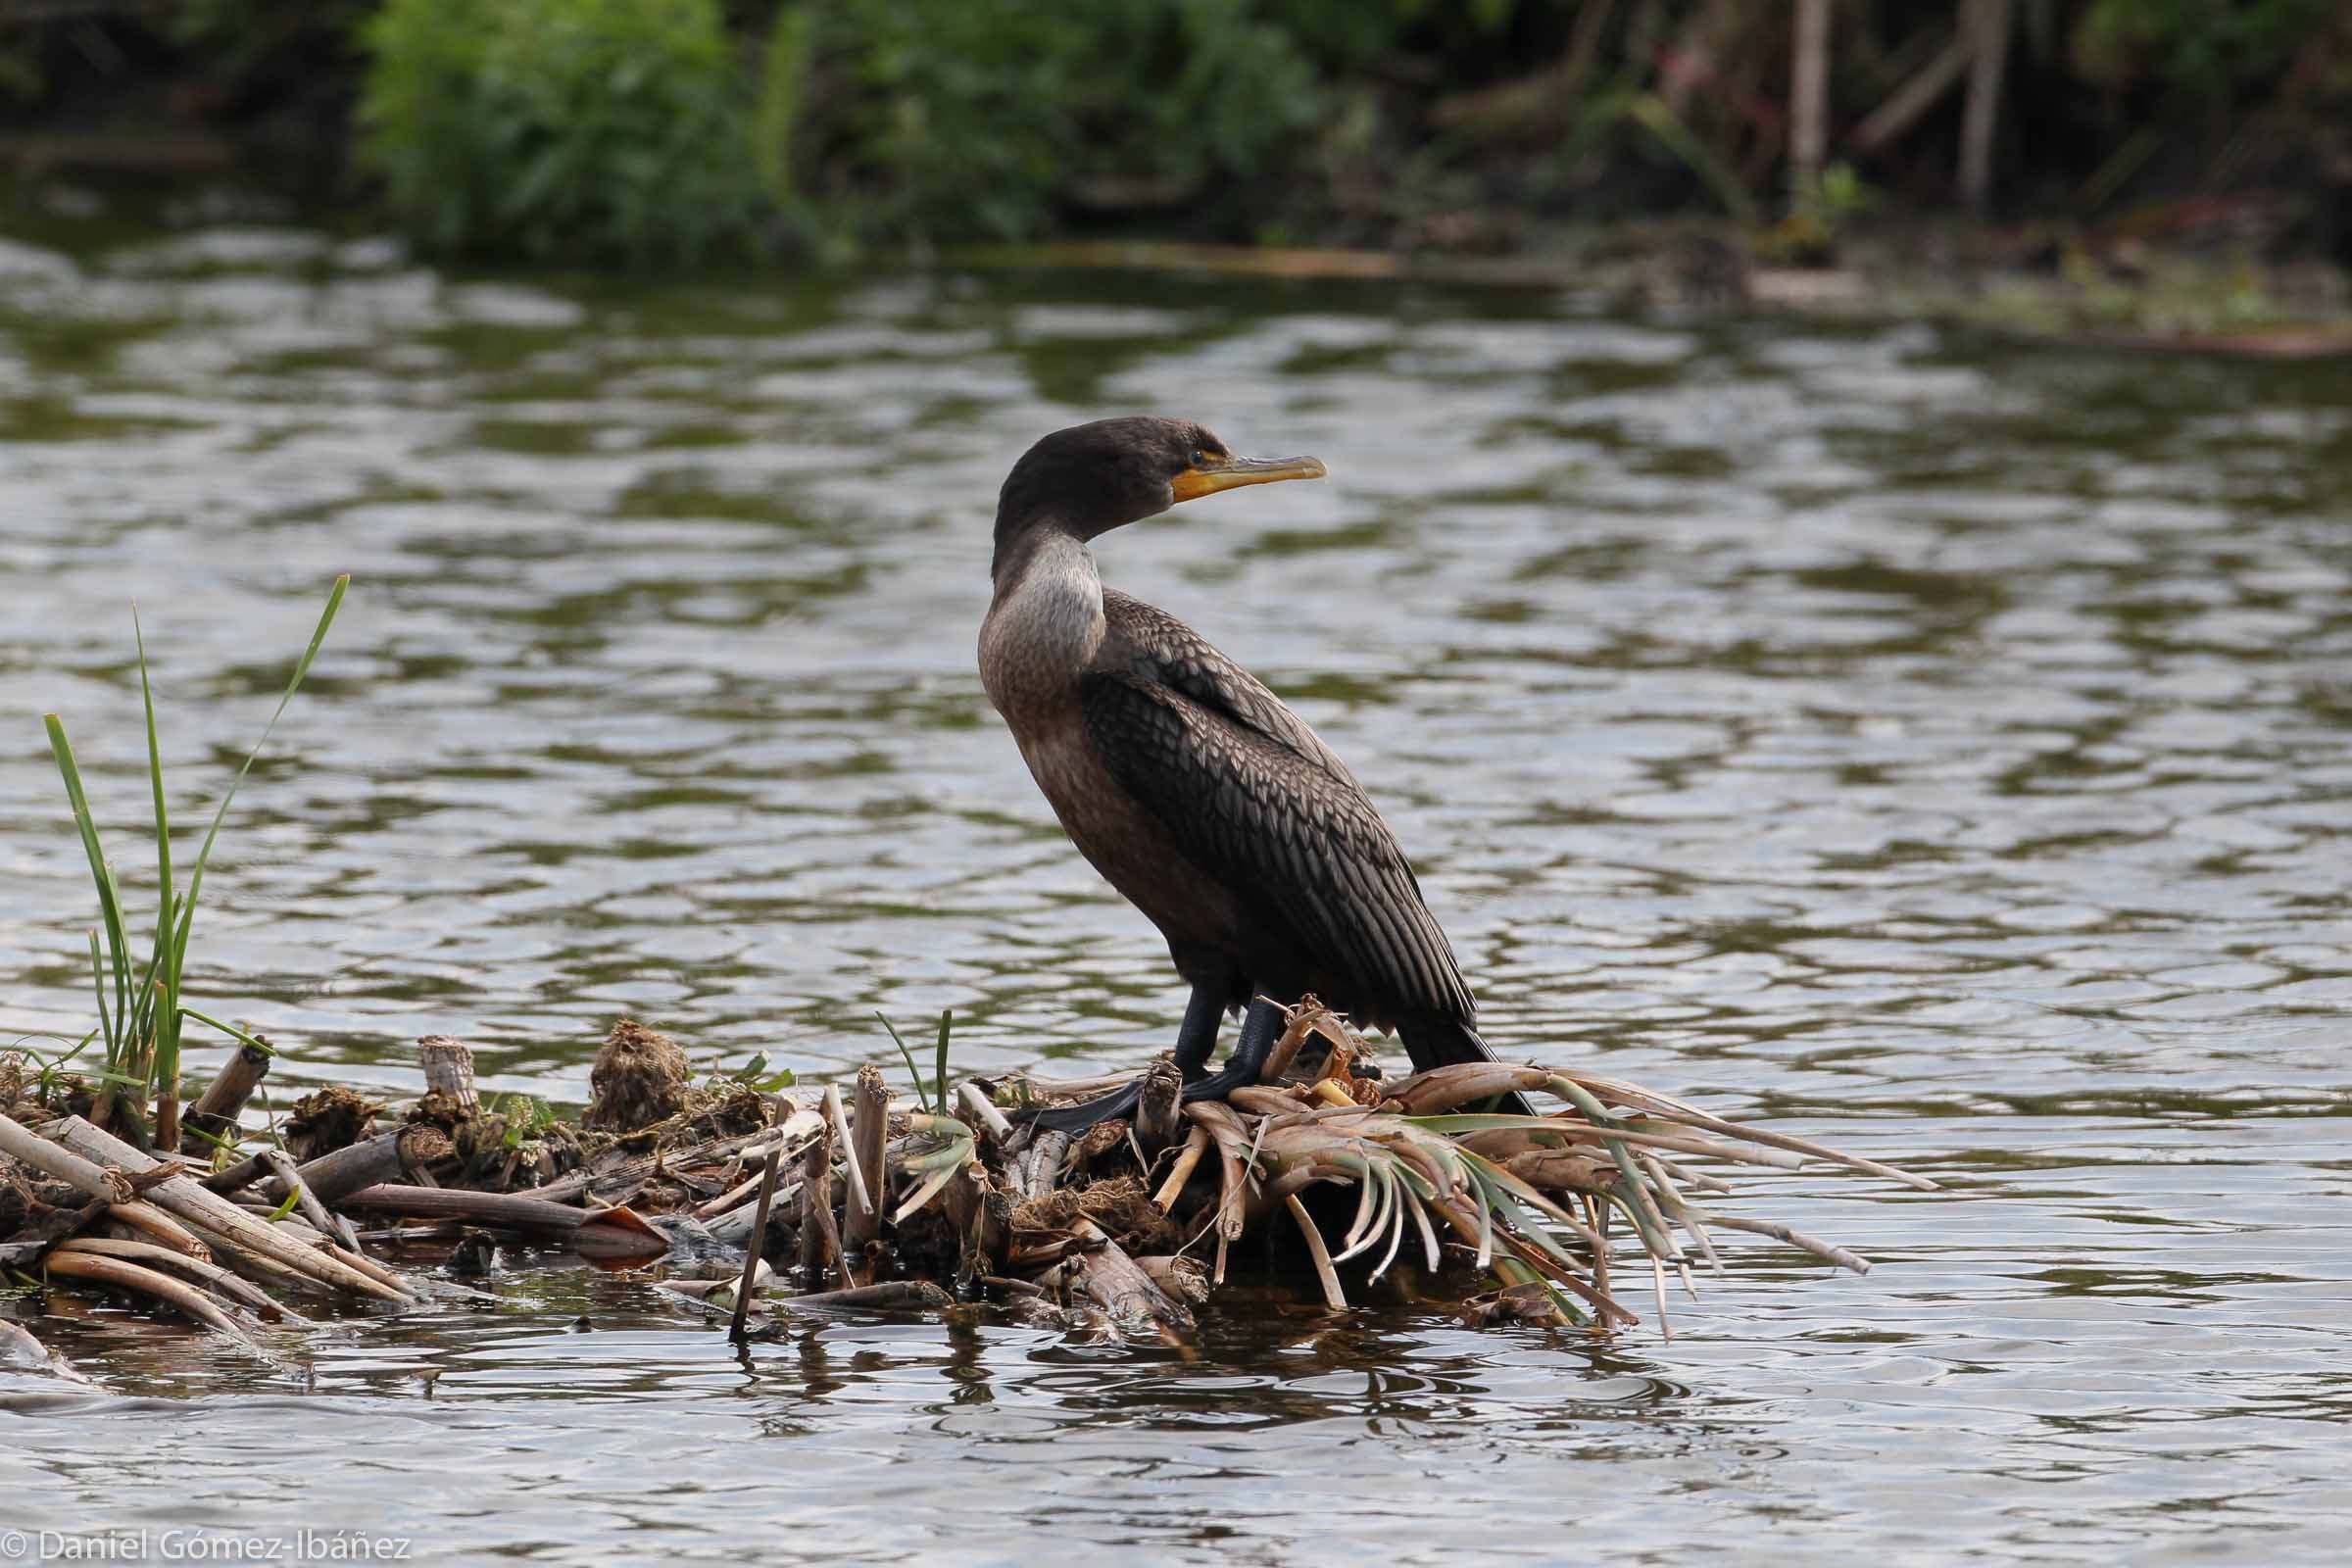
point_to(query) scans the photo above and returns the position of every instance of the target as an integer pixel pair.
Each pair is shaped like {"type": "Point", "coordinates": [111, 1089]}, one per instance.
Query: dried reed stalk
{"type": "Point", "coordinates": [861, 1215]}
{"type": "Point", "coordinates": [164, 1259]}
{"type": "Point", "coordinates": [185, 1199]}
{"type": "Point", "coordinates": [751, 1253]}
{"type": "Point", "coordinates": [129, 1276]}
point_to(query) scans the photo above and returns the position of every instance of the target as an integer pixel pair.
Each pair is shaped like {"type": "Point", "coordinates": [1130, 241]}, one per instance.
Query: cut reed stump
{"type": "Point", "coordinates": [820, 1238]}
{"type": "Point", "coordinates": [448, 1064]}
{"type": "Point", "coordinates": [861, 1223]}
{"type": "Point", "coordinates": [214, 1115]}
{"type": "Point", "coordinates": [1160, 1114]}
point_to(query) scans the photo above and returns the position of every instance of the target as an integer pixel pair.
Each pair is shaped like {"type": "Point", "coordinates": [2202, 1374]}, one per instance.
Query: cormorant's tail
{"type": "Point", "coordinates": [1441, 1042]}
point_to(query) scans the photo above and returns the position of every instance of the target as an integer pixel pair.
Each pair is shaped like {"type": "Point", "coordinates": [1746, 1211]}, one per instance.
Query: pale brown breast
{"type": "Point", "coordinates": [1045, 631]}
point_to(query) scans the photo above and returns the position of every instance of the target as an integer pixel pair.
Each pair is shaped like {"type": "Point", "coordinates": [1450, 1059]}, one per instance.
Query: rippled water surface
{"type": "Point", "coordinates": [1930, 745]}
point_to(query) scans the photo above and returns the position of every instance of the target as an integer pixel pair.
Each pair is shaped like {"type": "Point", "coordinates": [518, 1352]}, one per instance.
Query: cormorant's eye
{"type": "Point", "coordinates": [1201, 457]}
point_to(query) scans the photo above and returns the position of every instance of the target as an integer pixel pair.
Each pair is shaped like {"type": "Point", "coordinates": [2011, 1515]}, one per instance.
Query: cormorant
{"type": "Point", "coordinates": [1196, 792]}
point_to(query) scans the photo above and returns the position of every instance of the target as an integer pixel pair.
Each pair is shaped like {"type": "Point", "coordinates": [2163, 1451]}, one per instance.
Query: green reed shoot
{"type": "Point", "coordinates": [141, 1028]}
{"type": "Point", "coordinates": [936, 1099]}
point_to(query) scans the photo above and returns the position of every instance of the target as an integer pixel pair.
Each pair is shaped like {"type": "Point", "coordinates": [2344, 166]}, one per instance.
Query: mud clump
{"type": "Point", "coordinates": [328, 1119]}
{"type": "Point", "coordinates": [640, 1077]}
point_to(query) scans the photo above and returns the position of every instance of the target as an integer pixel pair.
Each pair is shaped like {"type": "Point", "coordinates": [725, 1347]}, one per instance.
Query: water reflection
{"type": "Point", "coordinates": [1925, 745]}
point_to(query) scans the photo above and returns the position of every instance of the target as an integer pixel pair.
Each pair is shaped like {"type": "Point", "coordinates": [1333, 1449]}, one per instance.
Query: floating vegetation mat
{"type": "Point", "coordinates": [1361, 1188]}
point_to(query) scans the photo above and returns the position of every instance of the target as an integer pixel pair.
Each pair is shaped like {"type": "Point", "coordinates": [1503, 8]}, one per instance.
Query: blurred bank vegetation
{"type": "Point", "coordinates": [662, 131]}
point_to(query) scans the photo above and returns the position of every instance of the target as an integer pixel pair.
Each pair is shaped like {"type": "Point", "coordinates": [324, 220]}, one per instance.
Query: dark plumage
{"type": "Point", "coordinates": [1196, 792]}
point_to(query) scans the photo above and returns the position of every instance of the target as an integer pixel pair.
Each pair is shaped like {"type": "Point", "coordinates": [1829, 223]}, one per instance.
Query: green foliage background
{"type": "Point", "coordinates": [613, 128]}
{"type": "Point", "coordinates": [660, 132]}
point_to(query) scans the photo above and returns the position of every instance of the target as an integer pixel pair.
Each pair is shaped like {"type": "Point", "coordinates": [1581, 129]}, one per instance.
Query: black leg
{"type": "Point", "coordinates": [1261, 1026]}
{"type": "Point", "coordinates": [1196, 1042]}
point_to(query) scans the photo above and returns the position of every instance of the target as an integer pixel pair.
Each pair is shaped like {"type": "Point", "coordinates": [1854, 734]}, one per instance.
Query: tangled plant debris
{"type": "Point", "coordinates": [1364, 1189]}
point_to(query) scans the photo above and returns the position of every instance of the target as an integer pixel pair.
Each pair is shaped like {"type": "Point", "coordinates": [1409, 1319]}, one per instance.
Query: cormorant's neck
{"type": "Point", "coordinates": [1045, 624]}
{"type": "Point", "coordinates": [1022, 541]}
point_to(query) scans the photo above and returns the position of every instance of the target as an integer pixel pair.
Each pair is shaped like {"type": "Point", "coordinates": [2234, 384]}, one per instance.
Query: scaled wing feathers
{"type": "Point", "coordinates": [1252, 796]}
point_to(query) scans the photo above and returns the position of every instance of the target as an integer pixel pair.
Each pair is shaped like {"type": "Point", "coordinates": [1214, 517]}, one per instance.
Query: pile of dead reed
{"type": "Point", "coordinates": [1372, 1189]}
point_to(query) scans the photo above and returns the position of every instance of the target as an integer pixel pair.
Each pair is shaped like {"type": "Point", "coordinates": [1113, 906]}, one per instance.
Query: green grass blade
{"type": "Point", "coordinates": [1656, 1234]}
{"type": "Point", "coordinates": [130, 999]}
{"type": "Point", "coordinates": [939, 1080]}
{"type": "Point", "coordinates": [106, 1023]}
{"type": "Point", "coordinates": [165, 1054]}
{"type": "Point", "coordinates": [143, 1003]}
{"type": "Point", "coordinates": [154, 764]}
{"type": "Point", "coordinates": [187, 912]}
{"type": "Point", "coordinates": [102, 1075]}
{"type": "Point", "coordinates": [912, 1071]}
{"type": "Point", "coordinates": [109, 904]}
{"type": "Point", "coordinates": [227, 1145]}
{"type": "Point", "coordinates": [17, 1043]}
{"type": "Point", "coordinates": [230, 1030]}
{"type": "Point", "coordinates": [162, 970]}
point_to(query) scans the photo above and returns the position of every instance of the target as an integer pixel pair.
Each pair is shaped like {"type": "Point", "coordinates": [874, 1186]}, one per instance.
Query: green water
{"type": "Point", "coordinates": [1928, 745]}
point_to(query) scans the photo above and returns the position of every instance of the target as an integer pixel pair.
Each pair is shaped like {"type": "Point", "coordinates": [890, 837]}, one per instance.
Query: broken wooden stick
{"type": "Point", "coordinates": [979, 1112]}
{"type": "Point", "coordinates": [751, 1253]}
{"type": "Point", "coordinates": [599, 1232]}
{"type": "Point", "coordinates": [215, 1110]}
{"type": "Point", "coordinates": [158, 1226]}
{"type": "Point", "coordinates": [890, 1293]}
{"type": "Point", "coordinates": [185, 1199]}
{"type": "Point", "coordinates": [306, 1201]}
{"type": "Point", "coordinates": [1038, 1170]}
{"type": "Point", "coordinates": [389, 1156]}
{"type": "Point", "coordinates": [1108, 1277]}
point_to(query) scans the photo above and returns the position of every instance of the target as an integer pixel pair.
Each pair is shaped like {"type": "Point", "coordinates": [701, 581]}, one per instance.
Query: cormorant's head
{"type": "Point", "coordinates": [1092, 478]}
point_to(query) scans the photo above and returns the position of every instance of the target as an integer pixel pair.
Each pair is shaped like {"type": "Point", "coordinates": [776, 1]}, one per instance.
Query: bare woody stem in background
{"type": "Point", "coordinates": [1988, 23]}
{"type": "Point", "coordinates": [1907, 104]}
{"type": "Point", "coordinates": [1809, 94]}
